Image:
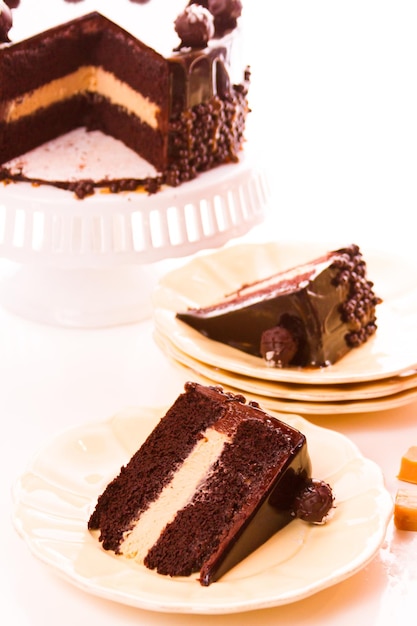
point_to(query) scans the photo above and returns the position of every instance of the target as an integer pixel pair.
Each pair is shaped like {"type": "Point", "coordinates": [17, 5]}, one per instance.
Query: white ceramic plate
{"type": "Point", "coordinates": [54, 499]}
{"type": "Point", "coordinates": [207, 278]}
{"type": "Point", "coordinates": [289, 391]}
{"type": "Point", "coordinates": [268, 393]}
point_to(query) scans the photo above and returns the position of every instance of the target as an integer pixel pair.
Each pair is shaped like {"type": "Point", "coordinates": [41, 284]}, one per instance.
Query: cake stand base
{"type": "Point", "coordinates": [80, 298]}
{"type": "Point", "coordinates": [95, 262]}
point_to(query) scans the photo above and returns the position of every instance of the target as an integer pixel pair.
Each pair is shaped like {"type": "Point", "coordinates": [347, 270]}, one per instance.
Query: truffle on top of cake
{"type": "Point", "coordinates": [309, 316]}
{"type": "Point", "coordinates": [199, 122]}
{"type": "Point", "coordinates": [213, 481]}
{"type": "Point", "coordinates": [6, 21]}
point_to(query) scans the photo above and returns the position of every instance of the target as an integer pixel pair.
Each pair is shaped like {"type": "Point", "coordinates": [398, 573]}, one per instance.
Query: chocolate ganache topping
{"type": "Point", "coordinates": [280, 343]}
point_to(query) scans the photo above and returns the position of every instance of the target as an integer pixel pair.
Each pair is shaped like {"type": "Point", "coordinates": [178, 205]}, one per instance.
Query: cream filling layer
{"type": "Point", "coordinates": [175, 496]}
{"type": "Point", "coordinates": [87, 79]}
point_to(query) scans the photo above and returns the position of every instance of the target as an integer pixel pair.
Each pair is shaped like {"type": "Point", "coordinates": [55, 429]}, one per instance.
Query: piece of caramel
{"type": "Point", "coordinates": [408, 468]}
{"type": "Point", "coordinates": [405, 510]}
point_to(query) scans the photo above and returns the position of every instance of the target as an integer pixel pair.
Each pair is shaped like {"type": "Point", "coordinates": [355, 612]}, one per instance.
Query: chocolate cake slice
{"type": "Point", "coordinates": [87, 72]}
{"type": "Point", "coordinates": [310, 315]}
{"type": "Point", "coordinates": [213, 481]}
{"type": "Point", "coordinates": [182, 112]}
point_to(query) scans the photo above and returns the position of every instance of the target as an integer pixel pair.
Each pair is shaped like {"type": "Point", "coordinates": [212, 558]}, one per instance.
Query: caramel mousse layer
{"type": "Point", "coordinates": [177, 494]}
{"type": "Point", "coordinates": [87, 79]}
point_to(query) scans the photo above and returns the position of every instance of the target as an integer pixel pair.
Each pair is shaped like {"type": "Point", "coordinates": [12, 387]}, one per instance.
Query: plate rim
{"type": "Point", "coordinates": [343, 406]}
{"type": "Point", "coordinates": [165, 298]}
{"type": "Point", "coordinates": [205, 604]}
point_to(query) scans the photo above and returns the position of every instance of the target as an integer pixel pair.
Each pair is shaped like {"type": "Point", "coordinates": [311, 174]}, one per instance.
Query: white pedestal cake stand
{"type": "Point", "coordinates": [94, 262]}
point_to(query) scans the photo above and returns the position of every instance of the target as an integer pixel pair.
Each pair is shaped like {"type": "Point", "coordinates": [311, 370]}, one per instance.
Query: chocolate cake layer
{"type": "Point", "coordinates": [88, 40]}
{"type": "Point", "coordinates": [259, 466]}
{"type": "Point", "coordinates": [151, 468]}
{"type": "Point", "coordinates": [95, 98]}
{"type": "Point", "coordinates": [123, 82]}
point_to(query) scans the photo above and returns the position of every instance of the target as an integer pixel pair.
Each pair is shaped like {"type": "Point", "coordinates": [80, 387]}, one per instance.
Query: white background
{"type": "Point", "coordinates": [334, 111]}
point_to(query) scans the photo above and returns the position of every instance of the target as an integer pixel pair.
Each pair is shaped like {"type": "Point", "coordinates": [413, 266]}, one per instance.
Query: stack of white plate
{"type": "Point", "coordinates": [381, 374]}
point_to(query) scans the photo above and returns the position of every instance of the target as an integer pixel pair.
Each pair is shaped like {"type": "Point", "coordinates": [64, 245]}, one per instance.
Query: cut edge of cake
{"type": "Point", "coordinates": [197, 102]}
{"type": "Point", "coordinates": [215, 479]}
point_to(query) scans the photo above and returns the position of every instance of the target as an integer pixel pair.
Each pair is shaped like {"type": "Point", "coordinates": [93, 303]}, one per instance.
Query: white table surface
{"type": "Point", "coordinates": [343, 141]}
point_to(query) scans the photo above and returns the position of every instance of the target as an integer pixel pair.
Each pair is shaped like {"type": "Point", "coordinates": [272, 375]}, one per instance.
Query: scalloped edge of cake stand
{"type": "Point", "coordinates": [95, 262]}
{"type": "Point", "coordinates": [50, 226]}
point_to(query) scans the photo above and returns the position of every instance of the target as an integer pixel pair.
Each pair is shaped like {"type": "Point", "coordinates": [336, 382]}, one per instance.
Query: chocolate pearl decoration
{"type": "Point", "coordinates": [226, 14]}
{"type": "Point", "coordinates": [194, 26]}
{"type": "Point", "coordinates": [225, 8]}
{"type": "Point", "coordinates": [6, 22]}
{"type": "Point", "coordinates": [313, 502]}
{"type": "Point", "coordinates": [358, 311]}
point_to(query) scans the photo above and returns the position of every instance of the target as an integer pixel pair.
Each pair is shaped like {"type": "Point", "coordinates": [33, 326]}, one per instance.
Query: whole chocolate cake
{"type": "Point", "coordinates": [213, 481]}
{"type": "Point", "coordinates": [183, 110]}
{"type": "Point", "coordinates": [310, 315]}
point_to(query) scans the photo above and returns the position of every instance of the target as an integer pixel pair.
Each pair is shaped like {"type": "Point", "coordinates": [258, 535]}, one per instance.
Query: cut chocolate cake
{"type": "Point", "coordinates": [212, 482]}
{"type": "Point", "coordinates": [181, 111]}
{"type": "Point", "coordinates": [310, 315]}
